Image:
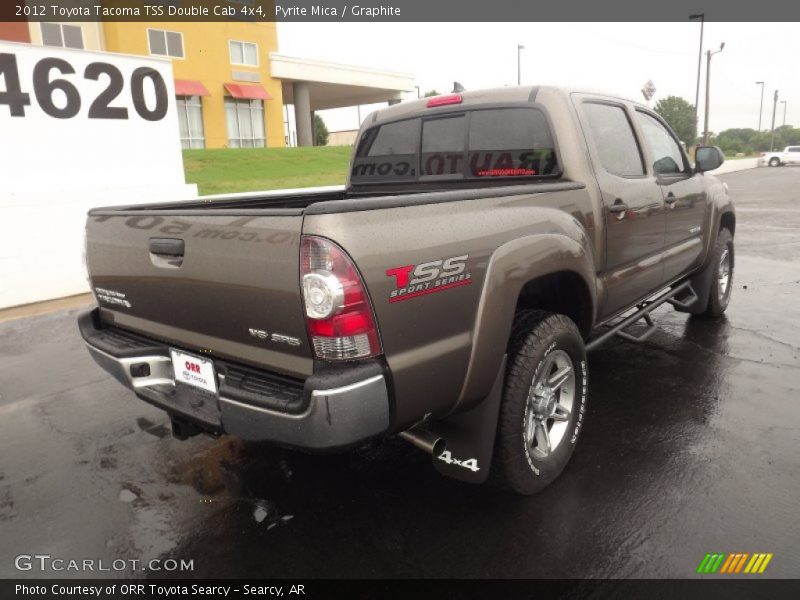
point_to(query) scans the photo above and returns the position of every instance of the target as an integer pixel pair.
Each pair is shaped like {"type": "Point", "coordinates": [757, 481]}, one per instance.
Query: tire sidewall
{"type": "Point", "coordinates": [717, 302]}
{"type": "Point", "coordinates": [542, 471]}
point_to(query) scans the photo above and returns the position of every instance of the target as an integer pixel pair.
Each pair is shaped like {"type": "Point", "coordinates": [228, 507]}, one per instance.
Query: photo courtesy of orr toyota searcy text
{"type": "Point", "coordinates": [159, 591]}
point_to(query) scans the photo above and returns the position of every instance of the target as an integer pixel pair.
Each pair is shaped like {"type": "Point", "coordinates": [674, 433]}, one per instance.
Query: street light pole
{"type": "Point", "coordinates": [760, 106]}
{"type": "Point", "coordinates": [702, 18]}
{"type": "Point", "coordinates": [774, 107]}
{"type": "Point", "coordinates": [418, 92]}
{"type": "Point", "coordinates": [709, 54]}
{"type": "Point", "coordinates": [520, 48]}
{"type": "Point", "coordinates": [784, 111]}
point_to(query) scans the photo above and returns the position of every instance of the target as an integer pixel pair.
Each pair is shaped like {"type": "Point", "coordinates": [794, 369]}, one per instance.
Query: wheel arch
{"type": "Point", "coordinates": [727, 220]}
{"type": "Point", "coordinates": [521, 272]}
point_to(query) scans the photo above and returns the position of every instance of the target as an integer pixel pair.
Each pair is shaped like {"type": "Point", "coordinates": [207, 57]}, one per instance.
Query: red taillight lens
{"type": "Point", "coordinates": [444, 100]}
{"type": "Point", "coordinates": [339, 316]}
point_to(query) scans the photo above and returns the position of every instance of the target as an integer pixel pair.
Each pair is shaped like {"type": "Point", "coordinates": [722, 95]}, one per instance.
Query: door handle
{"type": "Point", "coordinates": [671, 199]}
{"type": "Point", "coordinates": [618, 207]}
{"type": "Point", "coordinates": [167, 247]}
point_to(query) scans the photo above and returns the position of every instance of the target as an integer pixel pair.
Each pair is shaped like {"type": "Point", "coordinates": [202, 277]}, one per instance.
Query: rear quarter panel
{"type": "Point", "coordinates": [429, 340]}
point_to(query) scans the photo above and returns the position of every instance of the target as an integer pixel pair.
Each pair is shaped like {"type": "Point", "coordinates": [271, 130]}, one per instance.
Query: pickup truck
{"type": "Point", "coordinates": [789, 156]}
{"type": "Point", "coordinates": [447, 294]}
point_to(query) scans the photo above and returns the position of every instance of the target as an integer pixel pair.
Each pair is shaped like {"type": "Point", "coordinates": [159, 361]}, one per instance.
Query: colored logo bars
{"type": "Point", "coordinates": [734, 563]}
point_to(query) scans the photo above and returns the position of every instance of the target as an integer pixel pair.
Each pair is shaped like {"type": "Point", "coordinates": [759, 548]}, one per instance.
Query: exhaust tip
{"type": "Point", "coordinates": [425, 440]}
{"type": "Point", "coordinates": [438, 448]}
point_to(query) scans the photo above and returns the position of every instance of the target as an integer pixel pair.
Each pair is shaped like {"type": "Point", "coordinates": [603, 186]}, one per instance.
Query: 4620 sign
{"type": "Point", "coordinates": [60, 98]}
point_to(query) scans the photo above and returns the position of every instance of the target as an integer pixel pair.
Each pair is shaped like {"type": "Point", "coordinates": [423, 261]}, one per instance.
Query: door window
{"type": "Point", "coordinates": [614, 139]}
{"type": "Point", "coordinates": [666, 153]}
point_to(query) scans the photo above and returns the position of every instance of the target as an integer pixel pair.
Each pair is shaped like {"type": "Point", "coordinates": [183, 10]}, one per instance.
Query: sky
{"type": "Point", "coordinates": [614, 57]}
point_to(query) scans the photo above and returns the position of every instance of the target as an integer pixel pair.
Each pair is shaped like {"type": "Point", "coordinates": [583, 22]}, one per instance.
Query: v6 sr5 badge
{"type": "Point", "coordinates": [412, 281]}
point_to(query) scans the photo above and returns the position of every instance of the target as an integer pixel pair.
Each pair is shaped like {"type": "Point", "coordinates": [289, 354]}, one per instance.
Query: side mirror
{"type": "Point", "coordinates": [707, 158]}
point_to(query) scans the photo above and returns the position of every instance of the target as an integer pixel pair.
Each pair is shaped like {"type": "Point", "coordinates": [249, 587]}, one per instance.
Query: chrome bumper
{"type": "Point", "coordinates": [334, 417]}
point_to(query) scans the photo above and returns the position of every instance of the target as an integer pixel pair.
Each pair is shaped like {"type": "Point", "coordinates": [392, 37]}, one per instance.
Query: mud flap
{"type": "Point", "coordinates": [469, 437]}
{"type": "Point", "coordinates": [701, 284]}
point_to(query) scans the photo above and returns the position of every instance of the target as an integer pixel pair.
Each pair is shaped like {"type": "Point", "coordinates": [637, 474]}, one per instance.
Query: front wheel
{"type": "Point", "coordinates": [722, 277]}
{"type": "Point", "coordinates": [544, 402]}
{"type": "Point", "coordinates": [774, 162]}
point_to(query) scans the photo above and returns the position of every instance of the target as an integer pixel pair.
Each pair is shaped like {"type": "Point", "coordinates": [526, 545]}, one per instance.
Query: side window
{"type": "Point", "coordinates": [667, 155]}
{"type": "Point", "coordinates": [795, 149]}
{"type": "Point", "coordinates": [614, 139]}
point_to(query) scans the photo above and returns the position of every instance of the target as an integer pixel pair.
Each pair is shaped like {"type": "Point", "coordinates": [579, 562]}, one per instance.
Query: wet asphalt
{"type": "Point", "coordinates": [691, 445]}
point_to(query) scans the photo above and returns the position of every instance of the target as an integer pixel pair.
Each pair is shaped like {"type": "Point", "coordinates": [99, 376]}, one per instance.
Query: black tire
{"type": "Point", "coordinates": [538, 338]}
{"type": "Point", "coordinates": [774, 162]}
{"type": "Point", "coordinates": [718, 299]}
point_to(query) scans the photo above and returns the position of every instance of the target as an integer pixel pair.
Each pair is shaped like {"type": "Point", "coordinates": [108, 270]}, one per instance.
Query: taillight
{"type": "Point", "coordinates": [339, 316]}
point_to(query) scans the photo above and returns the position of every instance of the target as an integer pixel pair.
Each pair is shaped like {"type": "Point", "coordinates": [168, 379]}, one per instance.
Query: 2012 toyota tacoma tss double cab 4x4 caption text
{"type": "Point", "coordinates": [485, 240]}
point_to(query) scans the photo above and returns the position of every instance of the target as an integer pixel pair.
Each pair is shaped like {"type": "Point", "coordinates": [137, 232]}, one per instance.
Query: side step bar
{"type": "Point", "coordinates": [680, 296]}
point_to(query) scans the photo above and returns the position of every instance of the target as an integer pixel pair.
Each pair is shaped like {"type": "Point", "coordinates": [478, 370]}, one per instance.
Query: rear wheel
{"type": "Point", "coordinates": [544, 402]}
{"type": "Point", "coordinates": [774, 162]}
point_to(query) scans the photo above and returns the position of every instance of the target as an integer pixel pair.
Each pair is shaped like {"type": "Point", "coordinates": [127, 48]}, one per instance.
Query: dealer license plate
{"type": "Point", "coordinates": [193, 370]}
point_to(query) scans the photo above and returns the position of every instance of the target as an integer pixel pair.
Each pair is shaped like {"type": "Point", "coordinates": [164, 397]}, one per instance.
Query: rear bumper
{"type": "Point", "coordinates": [329, 410]}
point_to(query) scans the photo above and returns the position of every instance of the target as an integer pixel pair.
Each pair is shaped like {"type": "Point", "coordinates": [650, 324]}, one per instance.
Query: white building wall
{"type": "Point", "coordinates": [53, 170]}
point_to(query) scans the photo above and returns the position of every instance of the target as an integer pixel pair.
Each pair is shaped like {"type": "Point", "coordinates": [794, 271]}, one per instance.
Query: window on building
{"type": "Point", "coordinates": [190, 119]}
{"type": "Point", "coordinates": [63, 36]}
{"type": "Point", "coordinates": [245, 119]}
{"type": "Point", "coordinates": [614, 139]}
{"type": "Point", "coordinates": [244, 53]}
{"type": "Point", "coordinates": [165, 43]}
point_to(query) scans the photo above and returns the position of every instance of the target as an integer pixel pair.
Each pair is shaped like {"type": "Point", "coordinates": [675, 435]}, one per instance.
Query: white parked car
{"type": "Point", "coordinates": [789, 156]}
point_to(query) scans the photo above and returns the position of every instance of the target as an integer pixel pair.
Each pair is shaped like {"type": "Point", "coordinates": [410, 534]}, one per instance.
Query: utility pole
{"type": "Point", "coordinates": [774, 107]}
{"type": "Point", "coordinates": [709, 54]}
{"type": "Point", "coordinates": [520, 48]}
{"type": "Point", "coordinates": [702, 18]}
{"type": "Point", "coordinates": [760, 106]}
{"type": "Point", "coordinates": [784, 111]}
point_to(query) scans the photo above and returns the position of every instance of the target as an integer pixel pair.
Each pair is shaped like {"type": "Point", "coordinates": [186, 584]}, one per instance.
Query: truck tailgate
{"type": "Point", "coordinates": [221, 284]}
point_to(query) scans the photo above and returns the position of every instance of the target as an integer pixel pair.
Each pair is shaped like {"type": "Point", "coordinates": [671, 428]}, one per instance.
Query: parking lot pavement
{"type": "Point", "coordinates": [690, 446]}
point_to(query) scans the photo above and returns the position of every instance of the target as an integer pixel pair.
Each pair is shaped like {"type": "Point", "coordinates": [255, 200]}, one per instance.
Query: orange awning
{"type": "Point", "coordinates": [187, 87]}
{"type": "Point", "coordinates": [248, 92]}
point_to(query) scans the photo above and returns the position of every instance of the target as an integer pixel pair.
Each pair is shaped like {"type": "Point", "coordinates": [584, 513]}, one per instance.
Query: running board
{"type": "Point", "coordinates": [681, 296]}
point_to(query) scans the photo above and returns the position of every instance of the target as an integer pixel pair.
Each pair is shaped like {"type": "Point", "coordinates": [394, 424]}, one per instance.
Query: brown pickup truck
{"type": "Point", "coordinates": [448, 294]}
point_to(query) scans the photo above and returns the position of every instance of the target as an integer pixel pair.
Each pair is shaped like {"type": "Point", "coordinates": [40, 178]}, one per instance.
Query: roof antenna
{"type": "Point", "coordinates": [458, 88]}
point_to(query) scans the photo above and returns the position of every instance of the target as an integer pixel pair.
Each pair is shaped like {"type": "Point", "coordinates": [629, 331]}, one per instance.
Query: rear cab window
{"type": "Point", "coordinates": [511, 145]}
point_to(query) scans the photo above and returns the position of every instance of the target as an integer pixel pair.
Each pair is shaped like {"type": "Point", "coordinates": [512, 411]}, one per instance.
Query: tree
{"type": "Point", "coordinates": [750, 141]}
{"type": "Point", "coordinates": [430, 93]}
{"type": "Point", "coordinates": [680, 116]}
{"type": "Point", "coordinates": [320, 132]}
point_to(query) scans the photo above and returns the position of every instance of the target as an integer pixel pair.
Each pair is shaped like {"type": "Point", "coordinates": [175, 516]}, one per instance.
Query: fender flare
{"type": "Point", "coordinates": [510, 268]}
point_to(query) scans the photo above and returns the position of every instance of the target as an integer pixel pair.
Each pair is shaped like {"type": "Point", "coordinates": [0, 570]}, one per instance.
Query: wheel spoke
{"type": "Point", "coordinates": [562, 413]}
{"type": "Point", "coordinates": [542, 437]}
{"type": "Point", "coordinates": [559, 377]}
